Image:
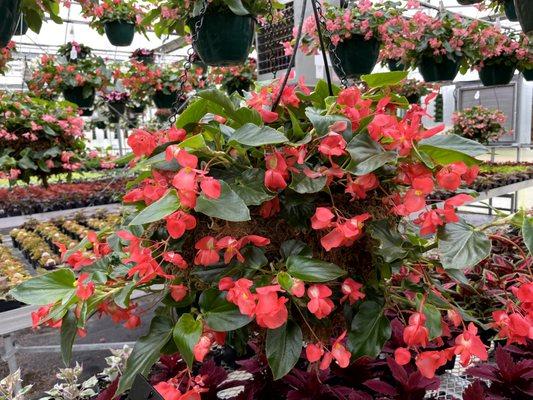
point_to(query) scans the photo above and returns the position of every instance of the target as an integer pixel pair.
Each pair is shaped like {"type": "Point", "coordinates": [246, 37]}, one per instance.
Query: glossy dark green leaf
{"type": "Point", "coordinates": [389, 241]}
{"type": "Point", "coordinates": [367, 155]}
{"type": "Point", "coordinates": [186, 333]}
{"type": "Point", "coordinates": [229, 206]}
{"type": "Point", "coordinates": [301, 183]}
{"type": "Point", "coordinates": [312, 270]}
{"type": "Point", "coordinates": [220, 314]}
{"type": "Point", "coordinates": [446, 149]}
{"type": "Point", "coordinates": [283, 348]}
{"type": "Point", "coordinates": [146, 351]}
{"type": "Point", "coordinates": [69, 329]}
{"type": "Point", "coordinates": [369, 331]}
{"type": "Point", "coordinates": [321, 123]}
{"type": "Point", "coordinates": [462, 246]}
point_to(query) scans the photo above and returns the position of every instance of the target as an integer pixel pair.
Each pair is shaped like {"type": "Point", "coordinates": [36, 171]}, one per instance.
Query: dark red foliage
{"type": "Point", "coordinates": [508, 379]}
{"type": "Point", "coordinates": [402, 385]}
{"type": "Point", "coordinates": [24, 200]}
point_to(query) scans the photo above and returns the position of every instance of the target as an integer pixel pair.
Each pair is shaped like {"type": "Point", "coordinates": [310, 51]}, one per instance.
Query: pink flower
{"type": "Point", "coordinates": [320, 304]}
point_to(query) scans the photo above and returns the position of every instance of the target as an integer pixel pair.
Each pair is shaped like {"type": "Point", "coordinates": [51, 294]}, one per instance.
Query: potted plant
{"type": "Point", "coordinates": [39, 138]}
{"type": "Point", "coordinates": [165, 81]}
{"type": "Point", "coordinates": [356, 45]}
{"type": "Point", "coordinates": [116, 102]}
{"type": "Point", "coordinates": [44, 79]}
{"type": "Point", "coordinates": [289, 228]}
{"type": "Point", "coordinates": [396, 39]}
{"type": "Point", "coordinates": [226, 28]}
{"type": "Point", "coordinates": [119, 19]}
{"type": "Point", "coordinates": [144, 56]}
{"type": "Point", "coordinates": [498, 55]}
{"type": "Point", "coordinates": [80, 81]}
{"type": "Point", "coordinates": [525, 61]}
{"type": "Point", "coordinates": [443, 45]}
{"type": "Point", "coordinates": [480, 124]}
{"type": "Point", "coordinates": [413, 90]}
{"type": "Point", "coordinates": [235, 79]}
{"type": "Point", "coordinates": [6, 55]}
{"type": "Point", "coordinates": [73, 51]}
{"type": "Point", "coordinates": [524, 12]}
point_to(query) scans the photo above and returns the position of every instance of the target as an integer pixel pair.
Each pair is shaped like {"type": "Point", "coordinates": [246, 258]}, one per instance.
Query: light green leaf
{"type": "Point", "coordinates": [186, 333]}
{"type": "Point", "coordinates": [283, 348]}
{"type": "Point", "coordinates": [47, 288]}
{"type": "Point", "coordinates": [229, 206]}
{"type": "Point", "coordinates": [194, 112]}
{"type": "Point", "coordinates": [158, 210]}
{"type": "Point", "coordinates": [527, 233]}
{"type": "Point", "coordinates": [382, 79]}
{"type": "Point", "coordinates": [312, 270]}
{"type": "Point", "coordinates": [462, 246]}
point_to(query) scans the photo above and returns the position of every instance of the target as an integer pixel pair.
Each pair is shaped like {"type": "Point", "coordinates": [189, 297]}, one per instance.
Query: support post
{"type": "Point", "coordinates": [10, 357]}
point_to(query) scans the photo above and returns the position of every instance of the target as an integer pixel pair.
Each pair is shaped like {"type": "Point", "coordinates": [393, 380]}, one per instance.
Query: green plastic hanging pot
{"type": "Point", "coordinates": [395, 64]}
{"type": "Point", "coordinates": [82, 96]}
{"type": "Point", "coordinates": [357, 56]}
{"type": "Point", "coordinates": [496, 73]}
{"type": "Point", "coordinates": [21, 28]}
{"type": "Point", "coordinates": [434, 70]}
{"type": "Point", "coordinates": [9, 17]}
{"type": "Point", "coordinates": [224, 38]}
{"type": "Point", "coordinates": [120, 33]}
{"type": "Point", "coordinates": [164, 100]}
{"type": "Point", "coordinates": [524, 12]}
{"type": "Point", "coordinates": [117, 107]}
{"type": "Point", "coordinates": [528, 74]}
{"type": "Point", "coordinates": [510, 11]}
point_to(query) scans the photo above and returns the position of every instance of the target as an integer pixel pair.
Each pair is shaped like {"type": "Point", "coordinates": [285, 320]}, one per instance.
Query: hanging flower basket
{"type": "Point", "coordinates": [86, 112]}
{"type": "Point", "coordinates": [82, 96]}
{"type": "Point", "coordinates": [21, 28]}
{"type": "Point", "coordinates": [145, 56]}
{"type": "Point", "coordinates": [524, 12]}
{"type": "Point", "coordinates": [496, 71]}
{"type": "Point", "coordinates": [435, 70]}
{"type": "Point", "coordinates": [396, 65]}
{"type": "Point", "coordinates": [120, 33]}
{"type": "Point", "coordinates": [357, 56]}
{"type": "Point", "coordinates": [136, 109]}
{"type": "Point", "coordinates": [528, 74]}
{"type": "Point", "coordinates": [510, 11]}
{"type": "Point", "coordinates": [163, 99]}
{"type": "Point", "coordinates": [225, 38]}
{"type": "Point", "coordinates": [9, 12]}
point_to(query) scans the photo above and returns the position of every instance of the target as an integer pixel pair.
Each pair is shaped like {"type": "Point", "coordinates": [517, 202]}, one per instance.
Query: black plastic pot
{"type": "Point", "coordinates": [21, 28]}
{"type": "Point", "coordinates": [238, 85]}
{"type": "Point", "coordinates": [163, 100]}
{"type": "Point", "coordinates": [86, 112]}
{"type": "Point", "coordinates": [100, 124]}
{"type": "Point", "coordinates": [524, 12]}
{"type": "Point", "coordinates": [413, 99]}
{"type": "Point", "coordinates": [224, 38]}
{"type": "Point", "coordinates": [528, 74]}
{"type": "Point", "coordinates": [120, 33]}
{"type": "Point", "coordinates": [510, 11]}
{"type": "Point", "coordinates": [137, 109]}
{"type": "Point", "coordinates": [468, 2]}
{"type": "Point", "coordinates": [435, 71]}
{"type": "Point", "coordinates": [357, 56]}
{"type": "Point", "coordinates": [496, 73]}
{"type": "Point", "coordinates": [9, 16]}
{"type": "Point", "coordinates": [395, 65]}
{"type": "Point", "coordinates": [76, 95]}
{"type": "Point", "coordinates": [117, 107]}
{"type": "Point", "coordinates": [7, 305]}
{"type": "Point", "coordinates": [146, 60]}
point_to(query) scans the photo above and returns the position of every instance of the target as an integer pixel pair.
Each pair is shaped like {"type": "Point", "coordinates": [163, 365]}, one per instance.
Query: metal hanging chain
{"type": "Point", "coordinates": [181, 99]}
{"type": "Point", "coordinates": [270, 38]}
{"type": "Point", "coordinates": [293, 58]}
{"type": "Point", "coordinates": [321, 22]}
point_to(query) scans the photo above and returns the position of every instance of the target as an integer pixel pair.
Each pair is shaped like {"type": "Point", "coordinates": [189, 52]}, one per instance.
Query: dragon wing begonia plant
{"type": "Point", "coordinates": [302, 229]}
